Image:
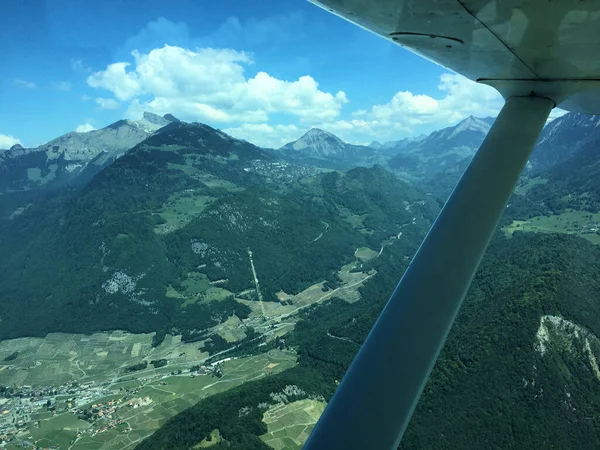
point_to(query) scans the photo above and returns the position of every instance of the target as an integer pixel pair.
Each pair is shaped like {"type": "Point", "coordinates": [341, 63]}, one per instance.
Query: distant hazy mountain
{"type": "Point", "coordinates": [562, 138]}
{"type": "Point", "coordinates": [74, 156]}
{"type": "Point", "coordinates": [391, 148]}
{"type": "Point", "coordinates": [442, 149]}
{"type": "Point", "coordinates": [411, 158]}
{"type": "Point", "coordinates": [321, 148]}
{"type": "Point", "coordinates": [446, 150]}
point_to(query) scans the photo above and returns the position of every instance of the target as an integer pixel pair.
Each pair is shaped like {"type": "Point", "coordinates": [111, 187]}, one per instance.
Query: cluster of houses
{"type": "Point", "coordinates": [18, 404]}
{"type": "Point", "coordinates": [279, 170]}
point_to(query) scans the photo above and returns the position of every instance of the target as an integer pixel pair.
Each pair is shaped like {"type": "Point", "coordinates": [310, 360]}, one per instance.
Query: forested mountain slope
{"type": "Point", "coordinates": [574, 184]}
{"type": "Point", "coordinates": [189, 203]}
{"type": "Point", "coordinates": [518, 370]}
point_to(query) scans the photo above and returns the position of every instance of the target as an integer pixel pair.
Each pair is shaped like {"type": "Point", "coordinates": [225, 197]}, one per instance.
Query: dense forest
{"type": "Point", "coordinates": [491, 387]}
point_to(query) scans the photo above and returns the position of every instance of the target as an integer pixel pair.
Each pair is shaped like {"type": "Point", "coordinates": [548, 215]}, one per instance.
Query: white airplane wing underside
{"type": "Point", "coordinates": [517, 46]}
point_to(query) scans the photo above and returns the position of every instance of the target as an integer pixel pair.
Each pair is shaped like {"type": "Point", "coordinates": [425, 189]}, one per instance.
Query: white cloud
{"type": "Point", "coordinates": [84, 128]}
{"type": "Point", "coordinates": [210, 85]}
{"type": "Point", "coordinates": [62, 86]}
{"type": "Point", "coordinates": [117, 80]}
{"type": "Point", "coordinates": [409, 113]}
{"type": "Point", "coordinates": [108, 103]}
{"type": "Point", "coordinates": [461, 98]}
{"type": "Point", "coordinates": [464, 97]}
{"type": "Point", "coordinates": [7, 141]}
{"type": "Point", "coordinates": [25, 84]}
{"type": "Point", "coordinates": [265, 135]}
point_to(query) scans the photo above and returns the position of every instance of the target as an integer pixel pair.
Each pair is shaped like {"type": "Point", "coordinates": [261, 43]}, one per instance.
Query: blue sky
{"type": "Point", "coordinates": [263, 71]}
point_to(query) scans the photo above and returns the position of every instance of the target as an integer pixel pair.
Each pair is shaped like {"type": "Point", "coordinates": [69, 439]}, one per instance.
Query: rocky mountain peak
{"type": "Point", "coordinates": [471, 123]}
{"type": "Point", "coordinates": [151, 122]}
{"type": "Point", "coordinates": [321, 141]}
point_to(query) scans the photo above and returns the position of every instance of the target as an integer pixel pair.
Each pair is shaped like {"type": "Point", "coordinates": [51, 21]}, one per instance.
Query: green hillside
{"type": "Point", "coordinates": [190, 203]}
{"type": "Point", "coordinates": [519, 368]}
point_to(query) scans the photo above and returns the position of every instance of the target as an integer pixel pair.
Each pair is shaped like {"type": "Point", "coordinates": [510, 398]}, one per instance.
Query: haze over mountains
{"type": "Point", "coordinates": [409, 158]}
{"type": "Point", "coordinates": [181, 230]}
{"type": "Point", "coordinates": [446, 151]}
{"type": "Point", "coordinates": [394, 147]}
{"type": "Point", "coordinates": [77, 157]}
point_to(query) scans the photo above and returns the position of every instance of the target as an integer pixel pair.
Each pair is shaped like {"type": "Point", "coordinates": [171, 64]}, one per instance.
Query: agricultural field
{"type": "Point", "coordinates": [289, 425]}
{"type": "Point", "coordinates": [82, 372]}
{"type": "Point", "coordinates": [180, 209]}
{"type": "Point", "coordinates": [232, 329]}
{"type": "Point", "coordinates": [129, 406]}
{"type": "Point", "coordinates": [218, 183]}
{"type": "Point", "coordinates": [526, 185]}
{"type": "Point", "coordinates": [274, 319]}
{"type": "Point", "coordinates": [365, 253]}
{"type": "Point", "coordinates": [580, 223]}
{"type": "Point", "coordinates": [197, 287]}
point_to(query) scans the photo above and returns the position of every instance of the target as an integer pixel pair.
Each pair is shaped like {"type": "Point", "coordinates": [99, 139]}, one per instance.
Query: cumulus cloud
{"type": "Point", "coordinates": [62, 86]}
{"type": "Point", "coordinates": [107, 103]}
{"type": "Point", "coordinates": [25, 84]}
{"type": "Point", "coordinates": [7, 141]}
{"type": "Point", "coordinates": [84, 128]}
{"type": "Point", "coordinates": [404, 114]}
{"type": "Point", "coordinates": [265, 135]}
{"type": "Point", "coordinates": [408, 112]}
{"type": "Point", "coordinates": [210, 85]}
{"type": "Point", "coordinates": [460, 98]}
{"type": "Point", "coordinates": [116, 79]}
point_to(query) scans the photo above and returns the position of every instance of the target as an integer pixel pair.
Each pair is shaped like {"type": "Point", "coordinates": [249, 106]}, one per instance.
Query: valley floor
{"type": "Point", "coordinates": [74, 391]}
{"type": "Point", "coordinates": [580, 223]}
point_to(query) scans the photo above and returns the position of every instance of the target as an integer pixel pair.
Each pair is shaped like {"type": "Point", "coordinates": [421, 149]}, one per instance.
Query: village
{"type": "Point", "coordinates": [280, 171]}
{"type": "Point", "coordinates": [23, 408]}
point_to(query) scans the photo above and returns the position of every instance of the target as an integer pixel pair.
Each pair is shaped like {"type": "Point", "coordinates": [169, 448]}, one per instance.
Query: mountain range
{"type": "Point", "coordinates": [188, 201]}
{"type": "Point", "coordinates": [442, 149]}
{"type": "Point", "coordinates": [74, 157]}
{"type": "Point", "coordinates": [410, 158]}
{"type": "Point", "coordinates": [394, 147]}
{"type": "Point", "coordinates": [441, 156]}
{"type": "Point", "coordinates": [519, 369]}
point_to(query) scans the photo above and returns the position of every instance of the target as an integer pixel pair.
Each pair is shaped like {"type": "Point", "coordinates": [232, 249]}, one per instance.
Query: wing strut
{"type": "Point", "coordinates": [376, 398]}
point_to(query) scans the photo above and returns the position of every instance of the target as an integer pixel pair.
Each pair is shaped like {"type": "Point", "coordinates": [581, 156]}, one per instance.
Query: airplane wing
{"type": "Point", "coordinates": [516, 46]}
